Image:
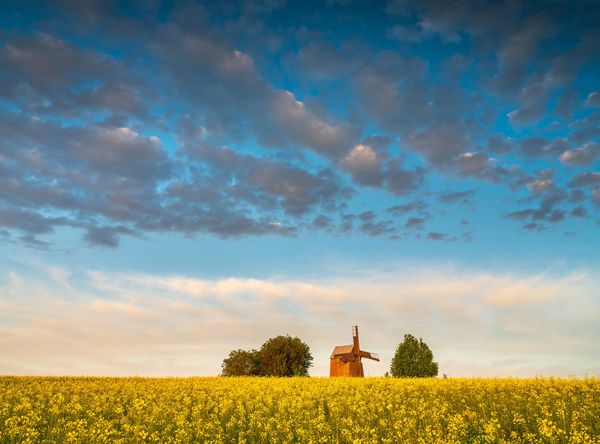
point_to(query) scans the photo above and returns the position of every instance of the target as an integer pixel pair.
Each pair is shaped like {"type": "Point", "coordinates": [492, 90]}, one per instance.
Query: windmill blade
{"type": "Point", "coordinates": [369, 355]}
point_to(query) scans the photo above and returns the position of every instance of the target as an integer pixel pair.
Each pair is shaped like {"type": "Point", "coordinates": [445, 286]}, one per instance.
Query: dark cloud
{"type": "Point", "coordinates": [567, 104]}
{"type": "Point", "coordinates": [44, 74]}
{"type": "Point", "coordinates": [263, 181]}
{"type": "Point", "coordinates": [537, 146]}
{"type": "Point", "coordinates": [579, 211]}
{"type": "Point", "coordinates": [584, 155]}
{"type": "Point", "coordinates": [437, 236]}
{"type": "Point", "coordinates": [29, 222]}
{"type": "Point", "coordinates": [322, 60]}
{"type": "Point", "coordinates": [451, 197]}
{"type": "Point", "coordinates": [516, 53]}
{"type": "Point", "coordinates": [499, 144]}
{"type": "Point", "coordinates": [532, 100]}
{"type": "Point", "coordinates": [373, 227]}
{"type": "Point", "coordinates": [374, 168]}
{"type": "Point", "coordinates": [440, 144]}
{"type": "Point", "coordinates": [450, 21]}
{"type": "Point", "coordinates": [585, 179]}
{"type": "Point", "coordinates": [387, 89]}
{"type": "Point", "coordinates": [322, 222]}
{"type": "Point", "coordinates": [96, 176]}
{"type": "Point", "coordinates": [534, 226]}
{"type": "Point", "coordinates": [239, 100]}
{"type": "Point", "coordinates": [105, 236]}
{"type": "Point", "coordinates": [477, 164]}
{"type": "Point", "coordinates": [403, 33]}
{"type": "Point", "coordinates": [414, 222]}
{"type": "Point", "coordinates": [567, 65]}
{"type": "Point", "coordinates": [547, 210]}
{"type": "Point", "coordinates": [576, 195]}
{"type": "Point", "coordinates": [596, 196]}
{"type": "Point", "coordinates": [256, 118]}
{"type": "Point", "coordinates": [585, 129]}
{"type": "Point", "coordinates": [415, 205]}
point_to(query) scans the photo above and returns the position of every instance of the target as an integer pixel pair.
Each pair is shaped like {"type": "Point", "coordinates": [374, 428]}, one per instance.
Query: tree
{"type": "Point", "coordinates": [241, 363]}
{"type": "Point", "coordinates": [413, 359]}
{"type": "Point", "coordinates": [285, 356]}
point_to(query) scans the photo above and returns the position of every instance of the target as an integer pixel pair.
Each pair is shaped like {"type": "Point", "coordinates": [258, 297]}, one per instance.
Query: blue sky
{"type": "Point", "coordinates": [182, 179]}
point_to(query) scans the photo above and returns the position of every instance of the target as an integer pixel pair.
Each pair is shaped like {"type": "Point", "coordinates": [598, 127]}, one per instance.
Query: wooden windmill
{"type": "Point", "coordinates": [346, 359]}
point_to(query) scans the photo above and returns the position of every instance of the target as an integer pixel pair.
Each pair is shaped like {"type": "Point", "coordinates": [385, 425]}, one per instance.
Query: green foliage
{"type": "Point", "coordinates": [241, 363]}
{"type": "Point", "coordinates": [285, 356]}
{"type": "Point", "coordinates": [279, 356]}
{"type": "Point", "coordinates": [413, 359]}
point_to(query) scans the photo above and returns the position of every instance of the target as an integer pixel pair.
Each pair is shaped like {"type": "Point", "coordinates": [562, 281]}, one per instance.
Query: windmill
{"type": "Point", "coordinates": [345, 360]}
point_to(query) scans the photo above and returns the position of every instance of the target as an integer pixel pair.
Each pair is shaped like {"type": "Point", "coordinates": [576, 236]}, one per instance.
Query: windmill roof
{"type": "Point", "coordinates": [341, 349]}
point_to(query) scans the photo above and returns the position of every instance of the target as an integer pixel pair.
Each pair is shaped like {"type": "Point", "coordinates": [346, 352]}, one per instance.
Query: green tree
{"type": "Point", "coordinates": [241, 363]}
{"type": "Point", "coordinates": [285, 356]}
{"type": "Point", "coordinates": [413, 359]}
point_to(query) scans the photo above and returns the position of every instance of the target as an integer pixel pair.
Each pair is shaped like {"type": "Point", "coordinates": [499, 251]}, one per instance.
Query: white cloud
{"type": "Point", "coordinates": [477, 323]}
{"type": "Point", "coordinates": [362, 156]}
{"type": "Point", "coordinates": [541, 185]}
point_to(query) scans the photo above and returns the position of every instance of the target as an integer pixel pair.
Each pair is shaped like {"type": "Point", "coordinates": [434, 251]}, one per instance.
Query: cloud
{"type": "Point", "coordinates": [541, 185]}
{"type": "Point", "coordinates": [105, 236]}
{"type": "Point", "coordinates": [124, 324]}
{"type": "Point", "coordinates": [476, 164]}
{"type": "Point", "coordinates": [567, 104]}
{"type": "Point", "coordinates": [547, 210]}
{"type": "Point", "coordinates": [415, 205]}
{"type": "Point", "coordinates": [262, 182]}
{"type": "Point", "coordinates": [321, 60]}
{"type": "Point", "coordinates": [516, 53]}
{"type": "Point", "coordinates": [373, 168]}
{"type": "Point", "coordinates": [499, 144]}
{"type": "Point", "coordinates": [240, 100]}
{"type": "Point", "coordinates": [581, 156]}
{"type": "Point", "coordinates": [437, 236]}
{"type": "Point", "coordinates": [373, 227]}
{"type": "Point", "coordinates": [579, 211]}
{"type": "Point", "coordinates": [537, 146]}
{"type": "Point", "coordinates": [596, 196]}
{"type": "Point", "coordinates": [439, 144]}
{"type": "Point", "coordinates": [47, 75]}
{"type": "Point", "coordinates": [104, 136]}
{"type": "Point", "coordinates": [568, 64]}
{"type": "Point", "coordinates": [364, 163]}
{"type": "Point", "coordinates": [450, 197]}
{"type": "Point", "coordinates": [593, 99]}
{"type": "Point", "coordinates": [406, 34]}
{"type": "Point", "coordinates": [414, 222]}
{"type": "Point", "coordinates": [585, 179]}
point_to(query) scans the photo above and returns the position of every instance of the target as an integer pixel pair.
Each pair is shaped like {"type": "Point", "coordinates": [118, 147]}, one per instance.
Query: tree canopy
{"type": "Point", "coordinates": [413, 359]}
{"type": "Point", "coordinates": [241, 363]}
{"type": "Point", "coordinates": [279, 356]}
{"type": "Point", "coordinates": [285, 356]}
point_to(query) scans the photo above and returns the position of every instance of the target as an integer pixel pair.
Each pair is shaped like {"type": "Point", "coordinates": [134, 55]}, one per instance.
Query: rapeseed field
{"type": "Point", "coordinates": [303, 410]}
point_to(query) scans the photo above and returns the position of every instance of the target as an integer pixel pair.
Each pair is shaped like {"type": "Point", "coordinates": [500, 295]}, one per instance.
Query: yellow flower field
{"type": "Point", "coordinates": [312, 410]}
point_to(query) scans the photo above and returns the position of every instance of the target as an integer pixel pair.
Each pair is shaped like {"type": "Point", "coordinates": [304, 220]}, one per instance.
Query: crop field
{"type": "Point", "coordinates": [312, 410]}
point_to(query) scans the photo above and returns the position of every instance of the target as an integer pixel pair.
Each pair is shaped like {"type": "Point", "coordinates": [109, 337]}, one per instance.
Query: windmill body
{"type": "Point", "coordinates": [346, 360]}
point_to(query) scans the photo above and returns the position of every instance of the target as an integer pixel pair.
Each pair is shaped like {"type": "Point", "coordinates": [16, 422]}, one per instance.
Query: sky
{"type": "Point", "coordinates": [181, 179]}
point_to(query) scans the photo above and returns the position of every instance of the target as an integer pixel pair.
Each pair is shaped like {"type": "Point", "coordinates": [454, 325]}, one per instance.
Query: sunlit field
{"type": "Point", "coordinates": [267, 410]}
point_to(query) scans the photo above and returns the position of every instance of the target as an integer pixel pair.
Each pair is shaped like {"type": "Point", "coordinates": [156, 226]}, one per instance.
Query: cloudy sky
{"type": "Point", "coordinates": [179, 180]}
